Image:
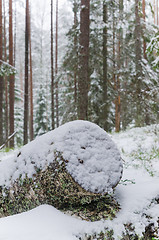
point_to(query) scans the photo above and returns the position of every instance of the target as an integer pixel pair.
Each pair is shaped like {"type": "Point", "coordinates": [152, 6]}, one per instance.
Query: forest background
{"type": "Point", "coordinates": [46, 79]}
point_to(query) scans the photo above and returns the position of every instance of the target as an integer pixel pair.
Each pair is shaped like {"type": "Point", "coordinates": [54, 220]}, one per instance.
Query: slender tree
{"type": "Point", "coordinates": [119, 66]}
{"type": "Point", "coordinates": [15, 35]}
{"type": "Point", "coordinates": [26, 100]}
{"type": "Point", "coordinates": [75, 10]}
{"type": "Point", "coordinates": [83, 78]}
{"type": "Point", "coordinates": [56, 68]}
{"type": "Point", "coordinates": [11, 80]}
{"type": "Point", "coordinates": [52, 71]}
{"type": "Point", "coordinates": [5, 77]}
{"type": "Point", "coordinates": [104, 115]}
{"type": "Point", "coordinates": [30, 81]}
{"type": "Point", "coordinates": [1, 79]}
{"type": "Point", "coordinates": [144, 17]}
{"type": "Point", "coordinates": [154, 4]}
{"type": "Point", "coordinates": [138, 77]}
{"type": "Point", "coordinates": [157, 11]}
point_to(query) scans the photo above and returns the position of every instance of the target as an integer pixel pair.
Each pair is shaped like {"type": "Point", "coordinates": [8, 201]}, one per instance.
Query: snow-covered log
{"type": "Point", "coordinates": [71, 167]}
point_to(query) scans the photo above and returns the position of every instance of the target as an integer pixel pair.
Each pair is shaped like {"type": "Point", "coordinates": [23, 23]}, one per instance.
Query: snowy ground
{"type": "Point", "coordinates": [140, 152]}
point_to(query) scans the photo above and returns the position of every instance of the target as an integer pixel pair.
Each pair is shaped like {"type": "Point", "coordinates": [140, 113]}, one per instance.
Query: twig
{"type": "Point", "coordinates": [9, 138]}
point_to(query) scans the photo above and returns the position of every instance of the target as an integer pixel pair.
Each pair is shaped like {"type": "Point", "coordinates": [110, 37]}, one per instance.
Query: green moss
{"type": "Point", "coordinates": [56, 187]}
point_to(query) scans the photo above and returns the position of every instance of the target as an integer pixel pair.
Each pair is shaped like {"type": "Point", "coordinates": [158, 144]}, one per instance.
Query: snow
{"type": "Point", "coordinates": [135, 193]}
{"type": "Point", "coordinates": [91, 156]}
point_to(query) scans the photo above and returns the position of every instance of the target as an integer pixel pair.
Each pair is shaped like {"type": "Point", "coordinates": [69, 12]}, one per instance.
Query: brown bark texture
{"type": "Point", "coordinates": [1, 78]}
{"type": "Point", "coordinates": [52, 71]}
{"type": "Point", "coordinates": [144, 17]}
{"type": "Point", "coordinates": [5, 77]}
{"type": "Point", "coordinates": [83, 79]}
{"type": "Point", "coordinates": [30, 83]}
{"type": "Point", "coordinates": [56, 69]}
{"type": "Point", "coordinates": [104, 113]}
{"type": "Point", "coordinates": [26, 89]}
{"type": "Point", "coordinates": [138, 78]}
{"type": "Point", "coordinates": [76, 51]}
{"type": "Point", "coordinates": [11, 79]}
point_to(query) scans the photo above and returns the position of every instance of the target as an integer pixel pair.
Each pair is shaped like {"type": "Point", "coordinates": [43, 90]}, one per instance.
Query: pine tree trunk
{"type": "Point", "coordinates": [154, 4]}
{"type": "Point", "coordinates": [104, 114]}
{"type": "Point", "coordinates": [76, 51]}
{"type": "Point", "coordinates": [5, 78]}
{"type": "Point", "coordinates": [138, 78]}
{"type": "Point", "coordinates": [144, 17]}
{"type": "Point", "coordinates": [119, 66]}
{"type": "Point", "coordinates": [15, 28]}
{"type": "Point", "coordinates": [56, 68]}
{"type": "Point", "coordinates": [52, 70]}
{"type": "Point", "coordinates": [31, 82]}
{"type": "Point", "coordinates": [11, 79]}
{"type": "Point", "coordinates": [114, 66]}
{"type": "Point", "coordinates": [1, 79]}
{"type": "Point", "coordinates": [26, 100]}
{"type": "Point", "coordinates": [157, 11]}
{"type": "Point", "coordinates": [83, 78]}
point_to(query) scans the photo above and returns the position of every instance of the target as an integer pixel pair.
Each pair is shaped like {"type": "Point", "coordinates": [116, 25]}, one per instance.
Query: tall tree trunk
{"type": "Point", "coordinates": [76, 52]}
{"type": "Point", "coordinates": [11, 80]}
{"type": "Point", "coordinates": [30, 82]}
{"type": "Point", "coordinates": [83, 78]}
{"type": "Point", "coordinates": [5, 77]}
{"type": "Point", "coordinates": [26, 89]}
{"type": "Point", "coordinates": [1, 78]}
{"type": "Point", "coordinates": [15, 29]}
{"type": "Point", "coordinates": [154, 4]}
{"type": "Point", "coordinates": [138, 78]}
{"type": "Point", "coordinates": [119, 66]}
{"type": "Point", "coordinates": [144, 17]}
{"type": "Point", "coordinates": [52, 70]}
{"type": "Point", "coordinates": [157, 11]}
{"type": "Point", "coordinates": [56, 68]}
{"type": "Point", "coordinates": [104, 114]}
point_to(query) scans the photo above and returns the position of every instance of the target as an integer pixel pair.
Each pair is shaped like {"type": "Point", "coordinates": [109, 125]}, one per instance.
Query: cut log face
{"type": "Point", "coordinates": [71, 167]}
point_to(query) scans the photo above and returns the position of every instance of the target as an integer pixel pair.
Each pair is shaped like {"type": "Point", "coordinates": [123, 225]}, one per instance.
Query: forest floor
{"type": "Point", "coordinates": [137, 194]}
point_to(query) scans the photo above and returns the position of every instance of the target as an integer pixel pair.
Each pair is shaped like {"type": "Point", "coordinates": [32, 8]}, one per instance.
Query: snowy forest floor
{"type": "Point", "coordinates": [137, 194]}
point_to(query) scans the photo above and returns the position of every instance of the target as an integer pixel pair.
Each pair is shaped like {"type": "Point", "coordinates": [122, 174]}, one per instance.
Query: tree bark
{"type": "Point", "coordinates": [76, 52]}
{"type": "Point", "coordinates": [30, 82]}
{"type": "Point", "coordinates": [138, 78]}
{"type": "Point", "coordinates": [11, 80]}
{"type": "Point", "coordinates": [119, 66]}
{"type": "Point", "coordinates": [144, 17]}
{"type": "Point", "coordinates": [157, 11]}
{"type": "Point", "coordinates": [83, 78]}
{"type": "Point", "coordinates": [5, 77]}
{"type": "Point", "coordinates": [104, 114]}
{"type": "Point", "coordinates": [26, 89]}
{"type": "Point", "coordinates": [56, 68]}
{"type": "Point", "coordinates": [52, 71]}
{"type": "Point", "coordinates": [154, 4]}
{"type": "Point", "coordinates": [15, 28]}
{"type": "Point", "coordinates": [1, 78]}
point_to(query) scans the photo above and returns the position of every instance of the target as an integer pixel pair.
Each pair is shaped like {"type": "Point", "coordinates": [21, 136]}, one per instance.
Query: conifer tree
{"type": "Point", "coordinates": [41, 126]}
{"type": "Point", "coordinates": [11, 78]}
{"type": "Point", "coordinates": [52, 71]}
{"type": "Point", "coordinates": [56, 68]}
{"type": "Point", "coordinates": [1, 79]}
{"type": "Point", "coordinates": [30, 82]}
{"type": "Point", "coordinates": [139, 75]}
{"type": "Point", "coordinates": [104, 114]}
{"type": "Point", "coordinates": [26, 97]}
{"type": "Point", "coordinates": [83, 74]}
